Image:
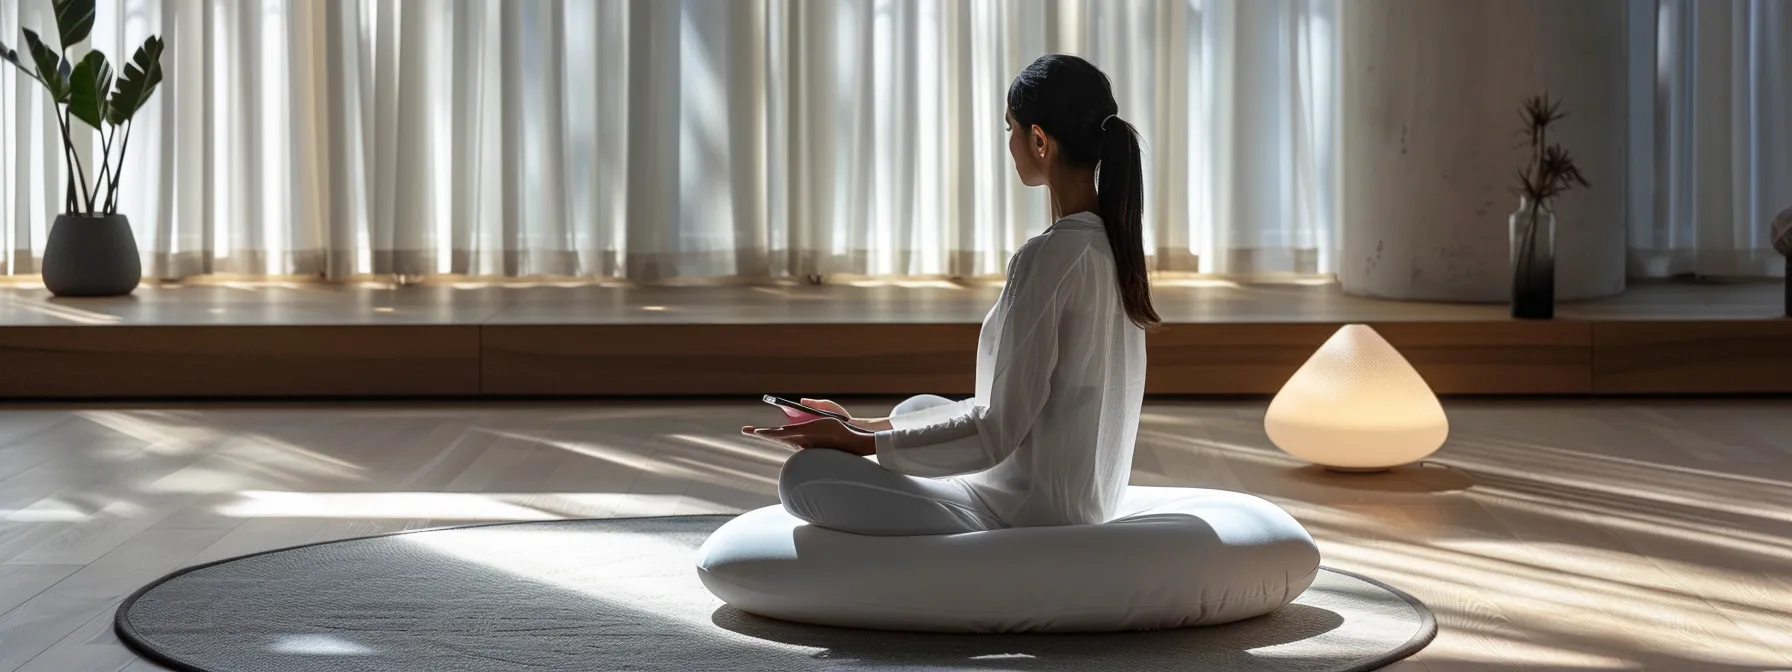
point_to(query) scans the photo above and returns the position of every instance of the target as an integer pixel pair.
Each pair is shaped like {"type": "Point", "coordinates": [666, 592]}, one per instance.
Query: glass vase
{"type": "Point", "coordinates": [1533, 261]}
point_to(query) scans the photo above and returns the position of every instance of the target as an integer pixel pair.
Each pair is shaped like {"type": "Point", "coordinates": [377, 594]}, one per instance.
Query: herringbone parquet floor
{"type": "Point", "coordinates": [1562, 535]}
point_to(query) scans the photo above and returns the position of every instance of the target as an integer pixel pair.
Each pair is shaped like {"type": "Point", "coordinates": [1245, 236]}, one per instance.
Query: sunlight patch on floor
{"type": "Point", "coordinates": [56, 510]}
{"type": "Point", "coordinates": [662, 462]}
{"type": "Point", "coordinates": [559, 558]}
{"type": "Point", "coordinates": [440, 505]}
{"type": "Point", "coordinates": [1540, 584]}
{"type": "Point", "coordinates": [318, 645]}
{"type": "Point", "coordinates": [455, 506]}
{"type": "Point", "coordinates": [755, 450]}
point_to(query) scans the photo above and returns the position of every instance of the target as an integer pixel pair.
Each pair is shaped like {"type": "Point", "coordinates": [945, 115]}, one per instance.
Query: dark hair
{"type": "Point", "coordinates": [1073, 102]}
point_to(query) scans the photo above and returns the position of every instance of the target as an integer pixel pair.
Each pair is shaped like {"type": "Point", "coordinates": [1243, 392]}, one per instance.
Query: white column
{"type": "Point", "coordinates": [1431, 92]}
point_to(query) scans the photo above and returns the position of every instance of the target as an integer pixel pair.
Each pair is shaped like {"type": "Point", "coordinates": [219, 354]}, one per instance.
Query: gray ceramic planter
{"type": "Point", "coordinates": [91, 256]}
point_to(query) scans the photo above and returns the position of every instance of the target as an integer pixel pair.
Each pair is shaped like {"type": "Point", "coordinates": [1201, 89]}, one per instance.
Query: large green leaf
{"type": "Point", "coordinates": [91, 82]}
{"type": "Point", "coordinates": [74, 20]}
{"type": "Point", "coordinates": [52, 68]}
{"type": "Point", "coordinates": [138, 82]}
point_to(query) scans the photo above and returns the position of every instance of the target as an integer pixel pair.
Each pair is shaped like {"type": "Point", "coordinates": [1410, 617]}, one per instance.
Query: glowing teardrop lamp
{"type": "Point", "coordinates": [1357, 405]}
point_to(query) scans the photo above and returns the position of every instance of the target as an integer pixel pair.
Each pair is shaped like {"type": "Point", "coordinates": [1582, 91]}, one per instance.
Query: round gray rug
{"type": "Point", "coordinates": [623, 595]}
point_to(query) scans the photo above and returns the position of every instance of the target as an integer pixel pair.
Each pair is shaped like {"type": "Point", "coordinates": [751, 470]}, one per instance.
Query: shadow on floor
{"type": "Point", "coordinates": [1123, 650]}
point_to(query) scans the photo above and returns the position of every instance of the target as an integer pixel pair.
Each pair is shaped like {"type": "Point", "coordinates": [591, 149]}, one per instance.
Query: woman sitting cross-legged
{"type": "Point", "coordinates": [1048, 437]}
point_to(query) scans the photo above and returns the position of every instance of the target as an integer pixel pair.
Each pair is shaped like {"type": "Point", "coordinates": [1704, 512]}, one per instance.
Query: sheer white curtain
{"type": "Point", "coordinates": [664, 139]}
{"type": "Point", "coordinates": [1718, 137]}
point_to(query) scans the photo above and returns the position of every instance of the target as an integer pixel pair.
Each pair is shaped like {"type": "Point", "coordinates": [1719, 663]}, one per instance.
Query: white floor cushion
{"type": "Point", "coordinates": [1174, 557]}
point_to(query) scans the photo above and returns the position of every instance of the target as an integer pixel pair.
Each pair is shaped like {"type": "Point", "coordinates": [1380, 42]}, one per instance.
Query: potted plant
{"type": "Point", "coordinates": [91, 251]}
{"type": "Point", "coordinates": [1548, 173]}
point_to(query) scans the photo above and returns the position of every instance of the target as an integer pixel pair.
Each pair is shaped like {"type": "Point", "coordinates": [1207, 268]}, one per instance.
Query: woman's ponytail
{"type": "Point", "coordinates": [1073, 102]}
{"type": "Point", "coordinates": [1120, 191]}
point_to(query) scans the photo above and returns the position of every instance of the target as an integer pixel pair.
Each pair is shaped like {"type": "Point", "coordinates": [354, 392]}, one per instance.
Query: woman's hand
{"type": "Point", "coordinates": [796, 416]}
{"type": "Point", "coordinates": [823, 433]}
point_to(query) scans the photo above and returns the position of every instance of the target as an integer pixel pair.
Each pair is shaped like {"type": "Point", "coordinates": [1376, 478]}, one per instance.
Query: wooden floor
{"type": "Point", "coordinates": [1560, 535]}
{"type": "Point", "coordinates": [283, 340]}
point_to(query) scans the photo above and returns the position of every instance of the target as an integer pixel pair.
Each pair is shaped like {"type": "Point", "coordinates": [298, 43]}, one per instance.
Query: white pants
{"type": "Point", "coordinates": [845, 492]}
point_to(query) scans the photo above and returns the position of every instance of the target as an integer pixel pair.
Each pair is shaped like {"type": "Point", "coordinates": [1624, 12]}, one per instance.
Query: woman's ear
{"type": "Point", "coordinates": [1039, 141]}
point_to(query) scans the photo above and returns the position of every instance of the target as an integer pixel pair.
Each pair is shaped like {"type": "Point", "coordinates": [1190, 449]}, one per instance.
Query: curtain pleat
{"type": "Point", "coordinates": [664, 140]}
{"type": "Point", "coordinates": [1720, 135]}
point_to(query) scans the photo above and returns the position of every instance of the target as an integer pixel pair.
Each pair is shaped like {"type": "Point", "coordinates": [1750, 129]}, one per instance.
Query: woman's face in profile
{"type": "Point", "coordinates": [1026, 146]}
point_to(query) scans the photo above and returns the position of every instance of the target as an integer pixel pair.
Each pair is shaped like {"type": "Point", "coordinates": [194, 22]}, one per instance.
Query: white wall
{"type": "Point", "coordinates": [1431, 93]}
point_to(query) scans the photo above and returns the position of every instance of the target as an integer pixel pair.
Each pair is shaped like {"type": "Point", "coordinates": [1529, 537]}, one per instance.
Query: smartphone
{"type": "Point", "coordinates": [780, 401]}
